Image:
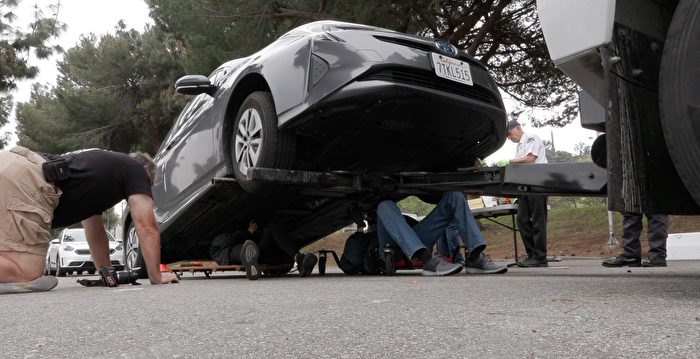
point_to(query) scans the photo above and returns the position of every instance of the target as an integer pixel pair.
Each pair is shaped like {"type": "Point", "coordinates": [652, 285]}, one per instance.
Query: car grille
{"type": "Point", "coordinates": [405, 42]}
{"type": "Point", "coordinates": [429, 80]}
{"type": "Point", "coordinates": [82, 251]}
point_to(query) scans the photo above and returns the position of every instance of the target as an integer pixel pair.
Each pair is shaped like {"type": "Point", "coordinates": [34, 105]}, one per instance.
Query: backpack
{"type": "Point", "coordinates": [361, 254]}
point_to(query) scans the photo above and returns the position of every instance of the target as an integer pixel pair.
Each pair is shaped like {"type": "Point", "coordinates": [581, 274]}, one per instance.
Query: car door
{"type": "Point", "coordinates": [187, 158]}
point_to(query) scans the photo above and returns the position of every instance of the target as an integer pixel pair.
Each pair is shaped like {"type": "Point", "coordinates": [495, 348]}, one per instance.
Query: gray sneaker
{"type": "Point", "coordinates": [484, 265]}
{"type": "Point", "coordinates": [438, 266]}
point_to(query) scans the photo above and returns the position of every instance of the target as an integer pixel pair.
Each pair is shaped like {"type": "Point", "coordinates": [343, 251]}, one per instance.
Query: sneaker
{"type": "Point", "coordinates": [438, 266]}
{"type": "Point", "coordinates": [622, 261]}
{"type": "Point", "coordinates": [249, 257]}
{"type": "Point", "coordinates": [532, 263]}
{"type": "Point", "coordinates": [305, 263]}
{"type": "Point", "coordinates": [484, 265]}
{"type": "Point", "coordinates": [657, 261]}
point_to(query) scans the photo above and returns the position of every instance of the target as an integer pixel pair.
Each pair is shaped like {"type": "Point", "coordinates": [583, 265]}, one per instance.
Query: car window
{"type": "Point", "coordinates": [75, 236]}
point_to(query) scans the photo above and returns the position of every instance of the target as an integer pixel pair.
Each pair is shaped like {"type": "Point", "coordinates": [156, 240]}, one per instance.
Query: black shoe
{"type": "Point", "coordinates": [249, 257]}
{"type": "Point", "coordinates": [306, 263]}
{"type": "Point", "coordinates": [657, 261]}
{"type": "Point", "coordinates": [622, 261]}
{"type": "Point", "coordinates": [533, 263]}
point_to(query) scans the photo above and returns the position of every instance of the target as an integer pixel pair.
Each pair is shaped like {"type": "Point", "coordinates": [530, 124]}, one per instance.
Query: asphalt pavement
{"type": "Point", "coordinates": [574, 309]}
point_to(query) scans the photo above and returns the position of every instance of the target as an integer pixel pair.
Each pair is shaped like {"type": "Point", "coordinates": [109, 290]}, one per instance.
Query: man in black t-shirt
{"type": "Point", "coordinates": [76, 187]}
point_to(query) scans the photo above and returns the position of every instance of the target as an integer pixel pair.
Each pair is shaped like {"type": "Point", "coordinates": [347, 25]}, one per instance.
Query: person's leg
{"type": "Point", "coordinates": [631, 229]}
{"type": "Point", "coordinates": [452, 209]}
{"type": "Point", "coordinates": [234, 254]}
{"type": "Point", "coordinates": [525, 225]}
{"type": "Point", "coordinates": [631, 247]}
{"type": "Point", "coordinates": [24, 234]}
{"type": "Point", "coordinates": [20, 266]}
{"type": "Point", "coordinates": [392, 229]}
{"type": "Point", "coordinates": [538, 215]}
{"type": "Point", "coordinates": [657, 233]}
{"type": "Point", "coordinates": [448, 246]}
{"type": "Point", "coordinates": [280, 248]}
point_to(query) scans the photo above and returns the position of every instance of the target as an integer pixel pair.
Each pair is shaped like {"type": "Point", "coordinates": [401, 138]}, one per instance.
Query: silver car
{"type": "Point", "coordinates": [326, 96]}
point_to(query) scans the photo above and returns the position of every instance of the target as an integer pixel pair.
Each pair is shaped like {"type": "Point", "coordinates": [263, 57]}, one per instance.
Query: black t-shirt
{"type": "Point", "coordinates": [98, 180]}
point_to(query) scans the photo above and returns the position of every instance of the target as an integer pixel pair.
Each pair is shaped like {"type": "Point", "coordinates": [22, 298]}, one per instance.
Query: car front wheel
{"type": "Point", "coordinates": [132, 253]}
{"type": "Point", "coordinates": [258, 142]}
{"type": "Point", "coordinates": [59, 272]}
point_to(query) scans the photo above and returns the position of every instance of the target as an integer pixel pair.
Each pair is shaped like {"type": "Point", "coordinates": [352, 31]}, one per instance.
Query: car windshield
{"type": "Point", "coordinates": [75, 236]}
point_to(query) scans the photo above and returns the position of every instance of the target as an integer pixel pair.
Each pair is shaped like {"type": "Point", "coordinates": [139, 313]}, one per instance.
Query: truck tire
{"type": "Point", "coordinates": [679, 94]}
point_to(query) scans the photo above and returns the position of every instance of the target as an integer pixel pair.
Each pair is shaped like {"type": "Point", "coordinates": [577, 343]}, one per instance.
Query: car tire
{"type": "Point", "coordinates": [257, 141]}
{"type": "Point", "coordinates": [59, 272]}
{"type": "Point", "coordinates": [91, 272]}
{"type": "Point", "coordinates": [133, 259]}
{"type": "Point", "coordinates": [679, 94]}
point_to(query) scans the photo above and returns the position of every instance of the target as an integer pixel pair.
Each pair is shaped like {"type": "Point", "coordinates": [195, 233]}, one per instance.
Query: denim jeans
{"type": "Point", "coordinates": [452, 209]}
{"type": "Point", "coordinates": [449, 245]}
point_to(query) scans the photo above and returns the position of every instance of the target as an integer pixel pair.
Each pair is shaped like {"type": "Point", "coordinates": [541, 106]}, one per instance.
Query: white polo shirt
{"type": "Point", "coordinates": [531, 143]}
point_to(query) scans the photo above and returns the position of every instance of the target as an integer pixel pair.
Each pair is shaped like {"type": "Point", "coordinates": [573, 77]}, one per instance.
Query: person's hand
{"type": "Point", "coordinates": [502, 163]}
{"type": "Point", "coordinates": [252, 227]}
{"type": "Point", "coordinates": [166, 278]}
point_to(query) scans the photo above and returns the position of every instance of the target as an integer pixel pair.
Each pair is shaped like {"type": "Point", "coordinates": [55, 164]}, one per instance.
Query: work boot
{"type": "Point", "coordinates": [622, 261]}
{"type": "Point", "coordinates": [306, 263]}
{"type": "Point", "coordinates": [483, 265]}
{"type": "Point", "coordinates": [438, 266]}
{"type": "Point", "coordinates": [654, 261]}
{"type": "Point", "coordinates": [530, 262]}
{"type": "Point", "coordinates": [249, 256]}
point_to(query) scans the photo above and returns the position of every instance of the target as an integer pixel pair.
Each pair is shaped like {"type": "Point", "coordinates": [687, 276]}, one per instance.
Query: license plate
{"type": "Point", "coordinates": [452, 69]}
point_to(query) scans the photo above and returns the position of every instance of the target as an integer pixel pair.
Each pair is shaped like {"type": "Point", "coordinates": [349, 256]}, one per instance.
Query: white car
{"type": "Point", "coordinates": [70, 252]}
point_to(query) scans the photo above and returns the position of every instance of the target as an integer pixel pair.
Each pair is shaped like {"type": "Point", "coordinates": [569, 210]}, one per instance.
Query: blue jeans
{"type": "Point", "coordinates": [392, 227]}
{"type": "Point", "coordinates": [449, 245]}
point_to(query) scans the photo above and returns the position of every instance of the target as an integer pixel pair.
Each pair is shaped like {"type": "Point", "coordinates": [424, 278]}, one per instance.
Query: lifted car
{"type": "Point", "coordinates": [327, 97]}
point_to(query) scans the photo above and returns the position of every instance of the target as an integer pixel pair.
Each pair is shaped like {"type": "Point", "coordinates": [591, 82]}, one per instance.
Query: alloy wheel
{"type": "Point", "coordinates": [249, 137]}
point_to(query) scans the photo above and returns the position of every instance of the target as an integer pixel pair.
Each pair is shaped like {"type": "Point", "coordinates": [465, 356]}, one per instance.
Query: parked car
{"type": "Point", "coordinates": [70, 253]}
{"type": "Point", "coordinates": [326, 96]}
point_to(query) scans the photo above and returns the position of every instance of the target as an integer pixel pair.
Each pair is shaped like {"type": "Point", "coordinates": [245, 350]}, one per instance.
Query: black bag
{"type": "Point", "coordinates": [361, 254]}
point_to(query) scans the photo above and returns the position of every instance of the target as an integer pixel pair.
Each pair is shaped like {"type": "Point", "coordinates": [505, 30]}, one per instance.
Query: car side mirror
{"type": "Point", "coordinates": [55, 241]}
{"type": "Point", "coordinates": [194, 85]}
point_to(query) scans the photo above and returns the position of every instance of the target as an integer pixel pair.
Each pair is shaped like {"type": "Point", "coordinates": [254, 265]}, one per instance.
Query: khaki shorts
{"type": "Point", "coordinates": [27, 202]}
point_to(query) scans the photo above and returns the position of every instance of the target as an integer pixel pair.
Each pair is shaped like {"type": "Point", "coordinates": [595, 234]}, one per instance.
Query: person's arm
{"type": "Point", "coordinates": [141, 207]}
{"type": "Point", "coordinates": [530, 158]}
{"type": "Point", "coordinates": [97, 240]}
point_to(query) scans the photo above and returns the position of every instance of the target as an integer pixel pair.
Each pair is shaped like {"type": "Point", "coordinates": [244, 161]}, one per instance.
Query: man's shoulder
{"type": "Point", "coordinates": [530, 138]}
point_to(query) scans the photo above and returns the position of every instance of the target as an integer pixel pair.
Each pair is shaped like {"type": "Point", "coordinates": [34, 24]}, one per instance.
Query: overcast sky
{"type": "Point", "coordinates": [101, 16]}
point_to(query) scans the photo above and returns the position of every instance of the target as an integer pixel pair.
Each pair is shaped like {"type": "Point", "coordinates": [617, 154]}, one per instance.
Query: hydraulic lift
{"type": "Point", "coordinates": [560, 179]}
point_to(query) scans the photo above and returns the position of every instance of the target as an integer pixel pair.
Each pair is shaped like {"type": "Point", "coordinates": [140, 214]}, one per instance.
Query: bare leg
{"type": "Point", "coordinates": [20, 266]}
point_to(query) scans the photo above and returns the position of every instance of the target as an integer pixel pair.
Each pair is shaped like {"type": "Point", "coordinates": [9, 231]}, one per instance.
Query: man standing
{"type": "Point", "coordinates": [40, 191]}
{"type": "Point", "coordinates": [532, 209]}
{"type": "Point", "coordinates": [657, 233]}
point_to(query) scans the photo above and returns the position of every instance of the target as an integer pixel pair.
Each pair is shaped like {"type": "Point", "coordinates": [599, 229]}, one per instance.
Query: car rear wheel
{"type": "Point", "coordinates": [132, 253]}
{"type": "Point", "coordinates": [258, 142]}
{"type": "Point", "coordinates": [679, 94]}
